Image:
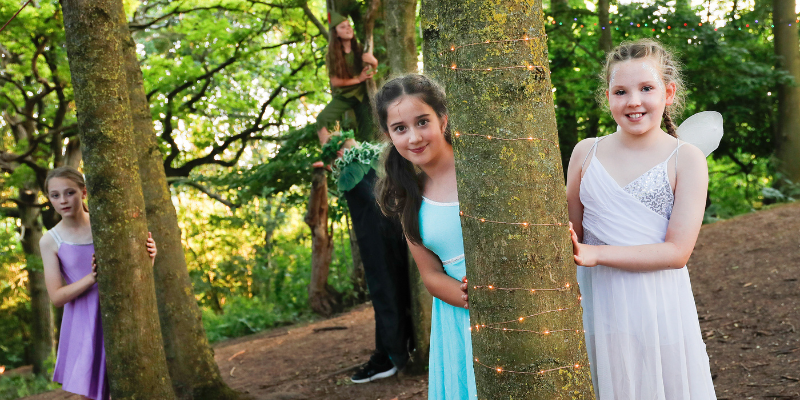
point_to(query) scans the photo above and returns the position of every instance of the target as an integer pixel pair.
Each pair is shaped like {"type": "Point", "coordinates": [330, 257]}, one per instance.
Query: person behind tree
{"type": "Point", "coordinates": [348, 69]}
{"type": "Point", "coordinates": [380, 240]}
{"type": "Point", "coordinates": [419, 188]}
{"type": "Point", "coordinates": [70, 274]}
{"type": "Point", "coordinates": [634, 222]}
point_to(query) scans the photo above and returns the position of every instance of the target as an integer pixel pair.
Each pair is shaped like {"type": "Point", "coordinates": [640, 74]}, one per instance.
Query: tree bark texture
{"type": "Point", "coordinates": [322, 298]}
{"type": "Point", "coordinates": [42, 325]}
{"type": "Point", "coordinates": [136, 363]}
{"type": "Point", "coordinates": [190, 359]}
{"type": "Point", "coordinates": [788, 51]}
{"type": "Point", "coordinates": [401, 40]}
{"type": "Point", "coordinates": [605, 27]}
{"type": "Point", "coordinates": [527, 332]}
{"type": "Point", "coordinates": [421, 307]}
{"type": "Point", "coordinates": [358, 275]}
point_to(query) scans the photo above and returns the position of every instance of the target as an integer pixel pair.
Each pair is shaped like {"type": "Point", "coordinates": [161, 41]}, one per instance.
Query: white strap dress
{"type": "Point", "coordinates": [642, 332]}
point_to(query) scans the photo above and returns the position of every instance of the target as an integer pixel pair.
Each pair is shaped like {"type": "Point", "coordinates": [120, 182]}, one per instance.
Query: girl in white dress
{"type": "Point", "coordinates": [636, 201]}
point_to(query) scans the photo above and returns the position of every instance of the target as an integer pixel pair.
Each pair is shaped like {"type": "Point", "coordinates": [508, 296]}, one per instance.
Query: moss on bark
{"type": "Point", "coordinates": [491, 57]}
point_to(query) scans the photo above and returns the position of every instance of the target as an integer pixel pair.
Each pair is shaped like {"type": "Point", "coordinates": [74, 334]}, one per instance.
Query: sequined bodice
{"type": "Point", "coordinates": [652, 189]}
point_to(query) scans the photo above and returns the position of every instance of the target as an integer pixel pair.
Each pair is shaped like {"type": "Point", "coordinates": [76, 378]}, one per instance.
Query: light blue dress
{"type": "Point", "coordinates": [450, 369]}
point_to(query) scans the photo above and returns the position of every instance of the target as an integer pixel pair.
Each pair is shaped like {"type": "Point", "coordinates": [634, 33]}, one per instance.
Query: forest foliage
{"type": "Point", "coordinates": [234, 86]}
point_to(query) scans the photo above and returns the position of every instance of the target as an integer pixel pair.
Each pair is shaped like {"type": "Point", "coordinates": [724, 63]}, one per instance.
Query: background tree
{"type": "Point", "coordinates": [192, 369]}
{"type": "Point", "coordinates": [136, 364]}
{"type": "Point", "coordinates": [787, 49]}
{"type": "Point", "coordinates": [492, 59]}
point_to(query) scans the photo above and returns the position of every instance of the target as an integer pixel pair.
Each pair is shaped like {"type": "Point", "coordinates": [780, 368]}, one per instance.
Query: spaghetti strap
{"type": "Point", "coordinates": [675, 152]}
{"type": "Point", "coordinates": [592, 151]}
{"type": "Point", "coordinates": [56, 237]}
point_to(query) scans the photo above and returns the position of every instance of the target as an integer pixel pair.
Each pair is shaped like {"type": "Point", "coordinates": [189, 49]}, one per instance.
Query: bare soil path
{"type": "Point", "coordinates": [744, 275]}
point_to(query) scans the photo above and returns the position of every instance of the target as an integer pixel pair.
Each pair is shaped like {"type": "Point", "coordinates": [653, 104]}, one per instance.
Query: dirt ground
{"type": "Point", "coordinates": [744, 275]}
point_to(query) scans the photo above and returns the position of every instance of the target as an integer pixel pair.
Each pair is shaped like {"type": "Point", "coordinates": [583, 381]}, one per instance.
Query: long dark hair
{"type": "Point", "coordinates": [337, 66]}
{"type": "Point", "coordinates": [399, 191]}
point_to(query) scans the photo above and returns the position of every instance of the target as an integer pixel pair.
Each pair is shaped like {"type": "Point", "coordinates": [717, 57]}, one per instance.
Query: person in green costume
{"type": "Point", "coordinates": [348, 68]}
{"type": "Point", "coordinates": [380, 239]}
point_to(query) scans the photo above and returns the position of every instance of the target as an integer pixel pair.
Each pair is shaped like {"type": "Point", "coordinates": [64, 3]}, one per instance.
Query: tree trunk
{"type": "Point", "coordinates": [788, 51]}
{"type": "Point", "coordinates": [322, 297]}
{"type": "Point", "coordinates": [527, 335]}
{"type": "Point", "coordinates": [401, 47]}
{"type": "Point", "coordinates": [358, 276]}
{"type": "Point", "coordinates": [401, 42]}
{"type": "Point", "coordinates": [42, 326]}
{"type": "Point", "coordinates": [136, 364]}
{"type": "Point", "coordinates": [605, 28]}
{"type": "Point", "coordinates": [421, 307]}
{"type": "Point", "coordinates": [190, 359]}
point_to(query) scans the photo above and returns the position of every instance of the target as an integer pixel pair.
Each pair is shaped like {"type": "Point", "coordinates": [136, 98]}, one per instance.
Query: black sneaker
{"type": "Point", "coordinates": [372, 371]}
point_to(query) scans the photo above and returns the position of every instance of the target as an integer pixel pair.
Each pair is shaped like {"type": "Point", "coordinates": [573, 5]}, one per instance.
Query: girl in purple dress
{"type": "Point", "coordinates": [70, 274]}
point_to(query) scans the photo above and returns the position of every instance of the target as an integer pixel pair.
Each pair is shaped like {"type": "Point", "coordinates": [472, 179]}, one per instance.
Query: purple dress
{"type": "Point", "coordinates": [81, 360]}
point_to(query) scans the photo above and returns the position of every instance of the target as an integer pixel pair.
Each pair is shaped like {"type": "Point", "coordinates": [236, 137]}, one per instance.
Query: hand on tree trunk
{"type": "Point", "coordinates": [464, 288]}
{"type": "Point", "coordinates": [151, 248]}
{"type": "Point", "coordinates": [584, 254]}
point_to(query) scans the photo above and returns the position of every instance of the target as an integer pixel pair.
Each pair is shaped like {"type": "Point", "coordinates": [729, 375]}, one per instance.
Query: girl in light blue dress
{"type": "Point", "coordinates": [419, 187]}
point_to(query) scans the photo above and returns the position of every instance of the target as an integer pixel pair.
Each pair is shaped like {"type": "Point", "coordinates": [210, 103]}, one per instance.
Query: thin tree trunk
{"type": "Point", "coordinates": [401, 42]}
{"type": "Point", "coordinates": [788, 51]}
{"type": "Point", "coordinates": [137, 367]}
{"type": "Point", "coordinates": [322, 298]}
{"type": "Point", "coordinates": [605, 28]}
{"type": "Point", "coordinates": [42, 326]}
{"type": "Point", "coordinates": [421, 307]}
{"type": "Point", "coordinates": [401, 48]}
{"type": "Point", "coordinates": [358, 276]}
{"type": "Point", "coordinates": [492, 58]}
{"type": "Point", "coordinates": [190, 359]}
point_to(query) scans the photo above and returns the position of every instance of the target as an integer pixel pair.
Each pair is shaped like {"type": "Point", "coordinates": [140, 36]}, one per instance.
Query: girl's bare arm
{"type": "Point", "coordinates": [438, 283]}
{"type": "Point", "coordinates": [684, 226]}
{"type": "Point", "coordinates": [59, 293]}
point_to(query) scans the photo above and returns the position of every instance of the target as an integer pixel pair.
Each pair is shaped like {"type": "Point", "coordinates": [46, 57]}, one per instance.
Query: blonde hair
{"type": "Point", "coordinates": [65, 172]}
{"type": "Point", "coordinates": [668, 65]}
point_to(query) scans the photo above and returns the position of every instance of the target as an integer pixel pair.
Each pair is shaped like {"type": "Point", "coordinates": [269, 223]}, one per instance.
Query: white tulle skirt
{"type": "Point", "coordinates": [643, 336]}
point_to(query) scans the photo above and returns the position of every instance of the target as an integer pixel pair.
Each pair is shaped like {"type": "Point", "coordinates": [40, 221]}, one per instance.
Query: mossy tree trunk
{"type": "Point", "coordinates": [788, 51]}
{"type": "Point", "coordinates": [322, 297]}
{"type": "Point", "coordinates": [136, 364]}
{"type": "Point", "coordinates": [190, 359]}
{"type": "Point", "coordinates": [491, 57]}
{"type": "Point", "coordinates": [401, 38]}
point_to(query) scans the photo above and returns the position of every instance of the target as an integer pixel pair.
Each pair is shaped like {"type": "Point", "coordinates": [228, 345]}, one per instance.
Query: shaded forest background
{"type": "Point", "coordinates": [234, 87]}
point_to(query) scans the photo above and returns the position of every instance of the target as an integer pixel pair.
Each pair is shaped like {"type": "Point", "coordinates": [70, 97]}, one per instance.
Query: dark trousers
{"type": "Point", "coordinates": [385, 255]}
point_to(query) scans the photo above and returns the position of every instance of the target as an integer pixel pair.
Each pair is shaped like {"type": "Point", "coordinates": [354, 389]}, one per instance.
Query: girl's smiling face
{"type": "Point", "coordinates": [344, 31]}
{"type": "Point", "coordinates": [416, 130]}
{"type": "Point", "coordinates": [637, 96]}
{"type": "Point", "coordinates": [66, 196]}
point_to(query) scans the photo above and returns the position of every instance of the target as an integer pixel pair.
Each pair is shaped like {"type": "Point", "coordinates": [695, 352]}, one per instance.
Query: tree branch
{"type": "Point", "coordinates": [313, 18]}
{"type": "Point", "coordinates": [207, 191]}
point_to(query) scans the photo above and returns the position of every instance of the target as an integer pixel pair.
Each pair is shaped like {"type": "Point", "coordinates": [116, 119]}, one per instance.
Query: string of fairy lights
{"type": "Point", "coordinates": [505, 326]}
{"type": "Point", "coordinates": [663, 26]}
